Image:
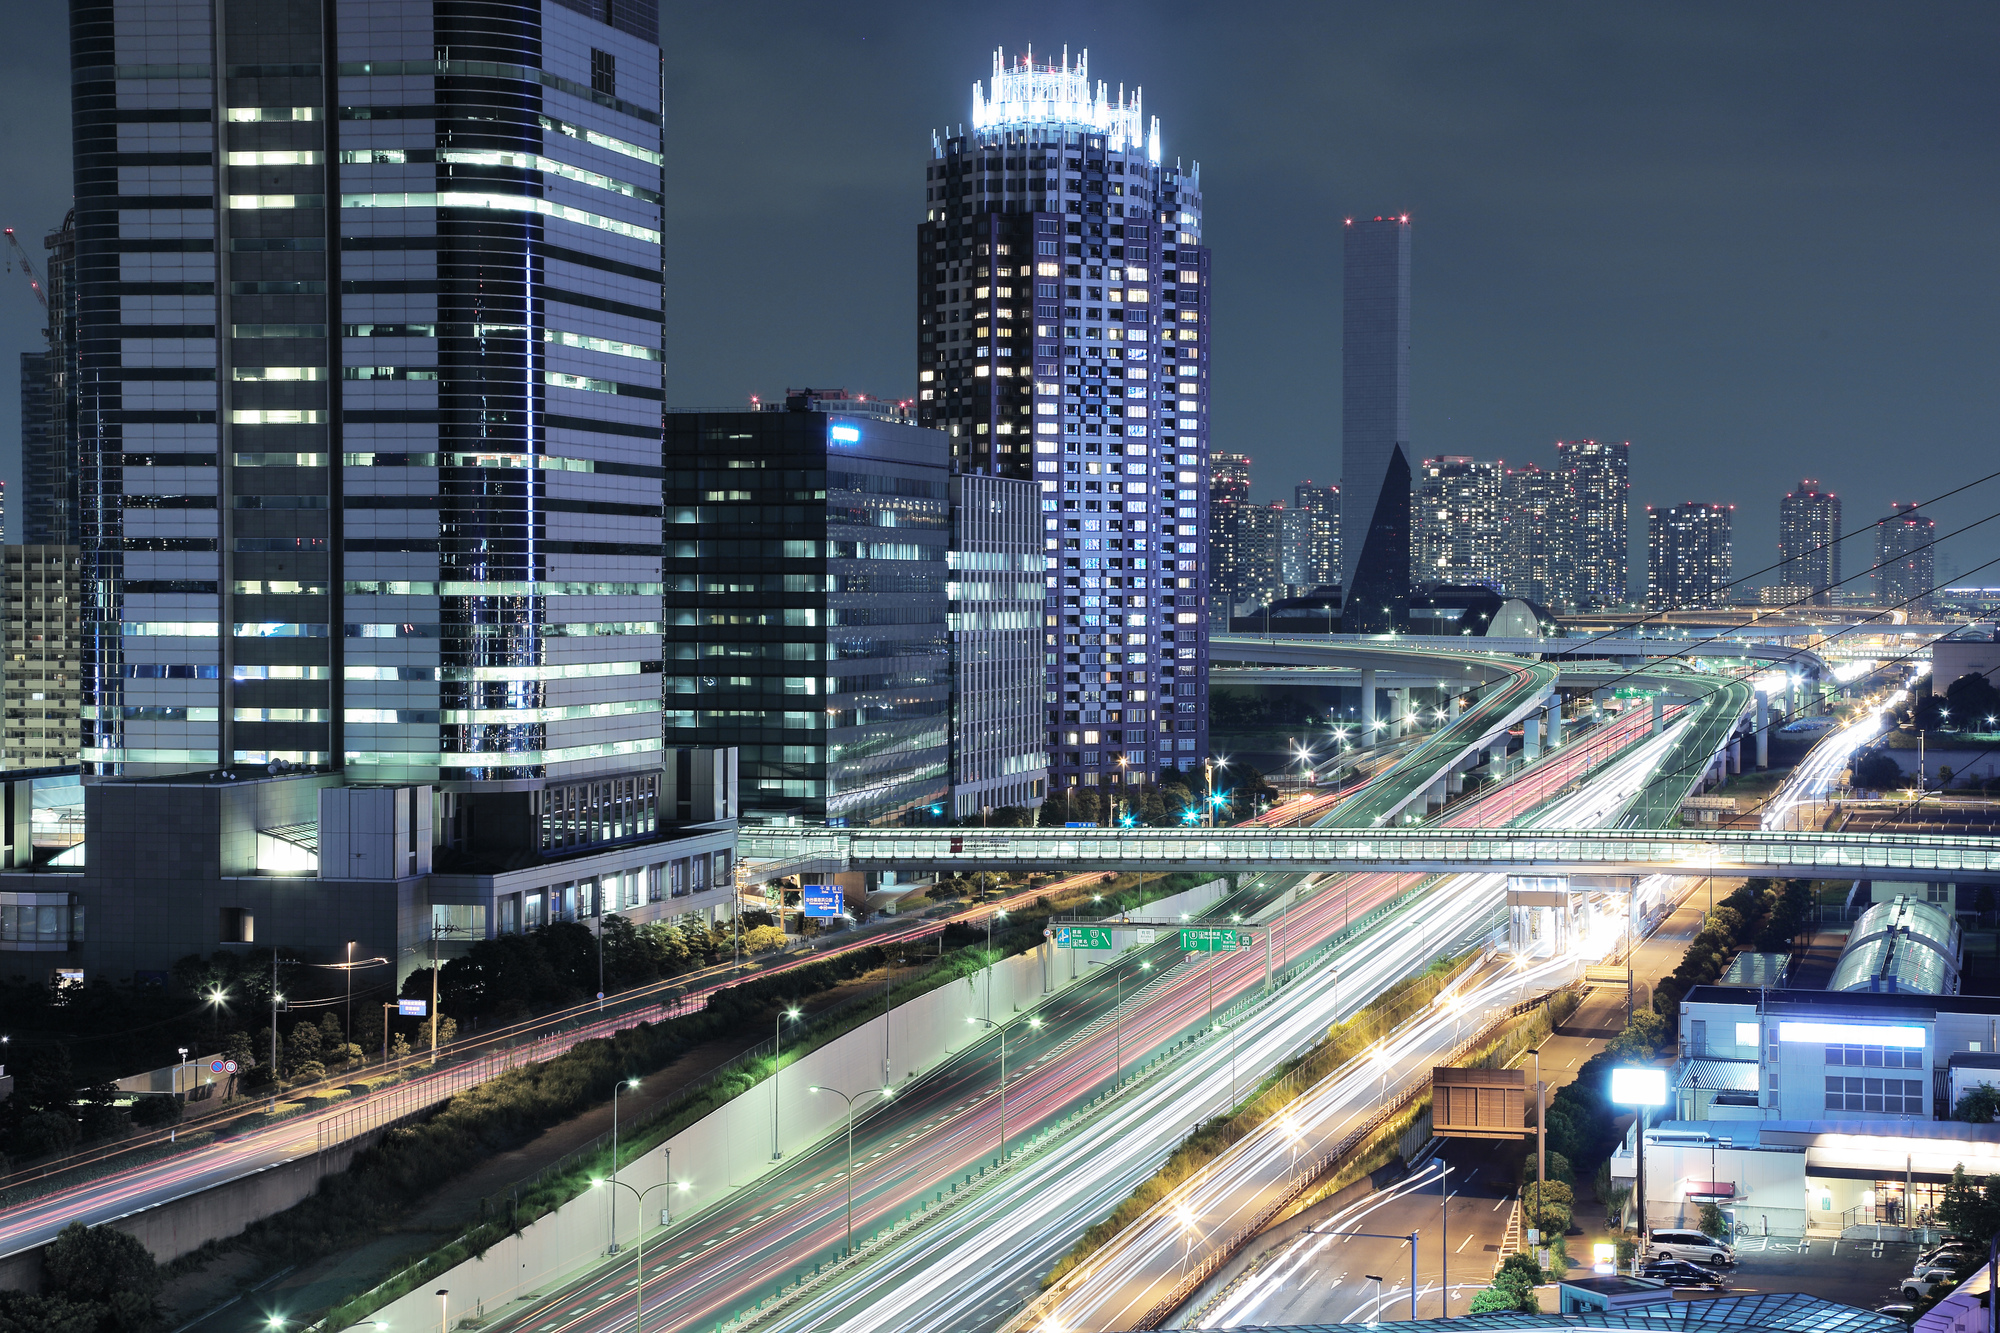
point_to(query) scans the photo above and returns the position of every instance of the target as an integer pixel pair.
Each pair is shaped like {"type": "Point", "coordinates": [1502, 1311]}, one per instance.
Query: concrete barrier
{"type": "Point", "coordinates": [175, 1227]}
{"type": "Point", "coordinates": [732, 1147]}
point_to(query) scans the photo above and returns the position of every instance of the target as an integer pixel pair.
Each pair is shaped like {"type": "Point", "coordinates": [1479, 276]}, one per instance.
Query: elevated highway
{"type": "Point", "coordinates": [1408, 652]}
{"type": "Point", "coordinates": [1785, 853]}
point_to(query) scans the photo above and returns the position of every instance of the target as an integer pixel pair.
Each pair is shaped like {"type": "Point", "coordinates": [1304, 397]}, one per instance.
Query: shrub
{"type": "Point", "coordinates": [1711, 1222]}
{"type": "Point", "coordinates": [1979, 1106]}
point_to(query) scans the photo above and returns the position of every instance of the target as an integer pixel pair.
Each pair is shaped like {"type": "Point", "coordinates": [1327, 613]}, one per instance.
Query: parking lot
{"type": "Point", "coordinates": [1848, 1271]}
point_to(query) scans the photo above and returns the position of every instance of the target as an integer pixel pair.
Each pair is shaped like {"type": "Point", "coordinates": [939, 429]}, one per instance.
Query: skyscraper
{"type": "Point", "coordinates": [48, 498]}
{"type": "Point", "coordinates": [1596, 511]}
{"type": "Point", "coordinates": [1809, 542]}
{"type": "Point", "coordinates": [1688, 555]}
{"type": "Point", "coordinates": [38, 695]}
{"type": "Point", "coordinates": [1375, 423]}
{"type": "Point", "coordinates": [1322, 556]}
{"type": "Point", "coordinates": [1063, 336]}
{"type": "Point", "coordinates": [807, 606]}
{"type": "Point", "coordinates": [402, 517]}
{"type": "Point", "coordinates": [1228, 499]}
{"type": "Point", "coordinates": [1536, 535]}
{"type": "Point", "coordinates": [1460, 526]}
{"type": "Point", "coordinates": [999, 754]}
{"type": "Point", "coordinates": [1905, 559]}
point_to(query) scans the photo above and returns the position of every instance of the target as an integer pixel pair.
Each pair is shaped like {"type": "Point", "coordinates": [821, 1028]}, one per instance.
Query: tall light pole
{"type": "Point", "coordinates": [777, 1047]}
{"type": "Point", "coordinates": [347, 1027]}
{"type": "Point", "coordinates": [997, 914]}
{"type": "Point", "coordinates": [885, 1093]}
{"type": "Point", "coordinates": [611, 1200]}
{"type": "Point", "coordinates": [639, 1244]}
{"type": "Point", "coordinates": [1117, 1018]}
{"type": "Point", "coordinates": [987, 1022]}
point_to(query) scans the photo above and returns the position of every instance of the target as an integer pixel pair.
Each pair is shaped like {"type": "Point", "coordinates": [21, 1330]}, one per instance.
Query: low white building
{"type": "Point", "coordinates": [1825, 1109]}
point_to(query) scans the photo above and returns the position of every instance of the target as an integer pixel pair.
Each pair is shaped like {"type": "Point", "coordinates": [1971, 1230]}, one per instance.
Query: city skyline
{"type": "Point", "coordinates": [1558, 295]}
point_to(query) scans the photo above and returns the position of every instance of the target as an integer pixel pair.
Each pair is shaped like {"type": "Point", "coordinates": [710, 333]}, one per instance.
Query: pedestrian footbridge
{"type": "Point", "coordinates": [1915, 856]}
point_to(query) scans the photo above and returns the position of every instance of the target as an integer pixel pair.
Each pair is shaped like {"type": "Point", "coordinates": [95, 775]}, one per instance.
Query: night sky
{"type": "Point", "coordinates": [1758, 241]}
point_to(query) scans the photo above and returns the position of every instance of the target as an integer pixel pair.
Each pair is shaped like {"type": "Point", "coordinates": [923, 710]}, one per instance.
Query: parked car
{"type": "Point", "coordinates": [1948, 1255]}
{"type": "Point", "coordinates": [1681, 1273]}
{"type": "Point", "coordinates": [1917, 1286]}
{"type": "Point", "coordinates": [1693, 1246]}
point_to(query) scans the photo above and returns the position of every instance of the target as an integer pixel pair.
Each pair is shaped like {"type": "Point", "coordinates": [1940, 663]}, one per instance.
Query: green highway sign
{"type": "Point", "coordinates": [1082, 937]}
{"type": "Point", "coordinates": [1214, 940]}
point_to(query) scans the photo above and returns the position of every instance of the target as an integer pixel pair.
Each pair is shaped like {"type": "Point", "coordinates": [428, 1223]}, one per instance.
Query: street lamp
{"type": "Point", "coordinates": [639, 1244]}
{"type": "Point", "coordinates": [885, 1094]}
{"type": "Point", "coordinates": [987, 1022]}
{"type": "Point", "coordinates": [777, 1046]}
{"type": "Point", "coordinates": [1117, 1018]}
{"type": "Point", "coordinates": [1641, 1088]}
{"type": "Point", "coordinates": [612, 1199]}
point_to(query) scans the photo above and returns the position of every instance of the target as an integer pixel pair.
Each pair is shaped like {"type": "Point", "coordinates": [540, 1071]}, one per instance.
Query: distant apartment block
{"type": "Point", "coordinates": [1688, 559]}
{"type": "Point", "coordinates": [38, 681]}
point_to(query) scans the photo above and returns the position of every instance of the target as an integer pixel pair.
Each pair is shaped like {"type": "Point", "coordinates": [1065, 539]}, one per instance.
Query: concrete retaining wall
{"type": "Point", "coordinates": [172, 1229]}
{"type": "Point", "coordinates": [731, 1147]}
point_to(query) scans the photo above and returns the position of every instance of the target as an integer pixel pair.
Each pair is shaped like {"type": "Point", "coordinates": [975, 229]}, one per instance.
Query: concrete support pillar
{"type": "Point", "coordinates": [1736, 755]}
{"type": "Point", "coordinates": [1763, 725]}
{"type": "Point", "coordinates": [1368, 705]}
{"type": "Point", "coordinates": [1399, 704]}
{"type": "Point", "coordinates": [1555, 723]}
{"type": "Point", "coordinates": [1659, 712]}
{"type": "Point", "coordinates": [1531, 738]}
{"type": "Point", "coordinates": [1791, 696]}
{"type": "Point", "coordinates": [1454, 781]}
{"type": "Point", "coordinates": [1451, 706]}
{"type": "Point", "coordinates": [1496, 753]}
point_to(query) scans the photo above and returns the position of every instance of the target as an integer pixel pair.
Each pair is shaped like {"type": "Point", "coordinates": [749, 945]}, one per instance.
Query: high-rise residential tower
{"type": "Point", "coordinates": [1321, 559]}
{"type": "Point", "coordinates": [1460, 525]}
{"type": "Point", "coordinates": [1375, 423]}
{"type": "Point", "coordinates": [369, 338]}
{"type": "Point", "coordinates": [1063, 336]}
{"type": "Point", "coordinates": [1688, 556]}
{"type": "Point", "coordinates": [1905, 559]}
{"type": "Point", "coordinates": [1596, 483]}
{"type": "Point", "coordinates": [1228, 500]}
{"type": "Point", "coordinates": [1809, 542]}
{"type": "Point", "coordinates": [1535, 534]}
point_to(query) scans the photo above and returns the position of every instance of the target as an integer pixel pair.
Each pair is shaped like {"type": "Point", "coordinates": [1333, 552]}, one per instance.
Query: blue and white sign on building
{"type": "Point", "coordinates": [413, 1008]}
{"type": "Point", "coordinates": [823, 900]}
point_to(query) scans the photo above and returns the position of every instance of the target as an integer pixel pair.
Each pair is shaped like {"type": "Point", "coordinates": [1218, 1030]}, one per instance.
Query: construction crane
{"type": "Point", "coordinates": [27, 267]}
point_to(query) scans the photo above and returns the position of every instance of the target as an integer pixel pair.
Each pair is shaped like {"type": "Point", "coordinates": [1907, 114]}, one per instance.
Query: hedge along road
{"type": "Point", "coordinates": [464, 1064]}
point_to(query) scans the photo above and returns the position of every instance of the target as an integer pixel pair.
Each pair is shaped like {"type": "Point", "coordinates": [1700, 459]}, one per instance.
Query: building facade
{"type": "Point", "coordinates": [1596, 480]}
{"type": "Point", "coordinates": [1534, 538]}
{"type": "Point", "coordinates": [1905, 559]}
{"type": "Point", "coordinates": [1688, 560]}
{"type": "Point", "coordinates": [1228, 497]}
{"type": "Point", "coordinates": [1375, 423]}
{"type": "Point", "coordinates": [368, 402]}
{"type": "Point", "coordinates": [38, 681]}
{"type": "Point", "coordinates": [1063, 336]}
{"type": "Point", "coordinates": [47, 503]}
{"type": "Point", "coordinates": [1459, 523]}
{"type": "Point", "coordinates": [1809, 542]}
{"type": "Point", "coordinates": [999, 743]}
{"type": "Point", "coordinates": [1319, 558]}
{"type": "Point", "coordinates": [807, 607]}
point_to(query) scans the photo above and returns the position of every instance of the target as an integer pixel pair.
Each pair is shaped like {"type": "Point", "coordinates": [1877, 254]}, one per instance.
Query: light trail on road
{"type": "Point", "coordinates": [947, 1125]}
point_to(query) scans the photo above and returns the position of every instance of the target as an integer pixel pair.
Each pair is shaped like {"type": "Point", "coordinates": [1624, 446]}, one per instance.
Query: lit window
{"type": "Point", "coordinates": [287, 157]}
{"type": "Point", "coordinates": [274, 373]}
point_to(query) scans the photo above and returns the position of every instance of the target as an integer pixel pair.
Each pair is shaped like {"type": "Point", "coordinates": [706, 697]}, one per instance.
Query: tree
{"type": "Point", "coordinates": [1876, 771]}
{"type": "Point", "coordinates": [1711, 1222]}
{"type": "Point", "coordinates": [1979, 1106]}
{"type": "Point", "coordinates": [1549, 1206]}
{"type": "Point", "coordinates": [1513, 1287]}
{"type": "Point", "coordinates": [763, 939]}
{"type": "Point", "coordinates": [1972, 698]}
{"type": "Point", "coordinates": [1969, 1207]}
{"type": "Point", "coordinates": [104, 1268]}
{"type": "Point", "coordinates": [1559, 1169]}
{"type": "Point", "coordinates": [301, 1048]}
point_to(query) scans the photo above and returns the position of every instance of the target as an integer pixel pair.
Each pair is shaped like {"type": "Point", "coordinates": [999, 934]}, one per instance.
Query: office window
{"type": "Point", "coordinates": [1885, 1096]}
{"type": "Point", "coordinates": [603, 72]}
{"type": "Point", "coordinates": [1874, 1057]}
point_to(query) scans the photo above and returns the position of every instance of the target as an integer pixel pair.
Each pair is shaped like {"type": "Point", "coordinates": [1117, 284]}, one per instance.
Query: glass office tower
{"type": "Point", "coordinates": [1375, 423]}
{"type": "Point", "coordinates": [368, 338]}
{"type": "Point", "coordinates": [1062, 294]}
